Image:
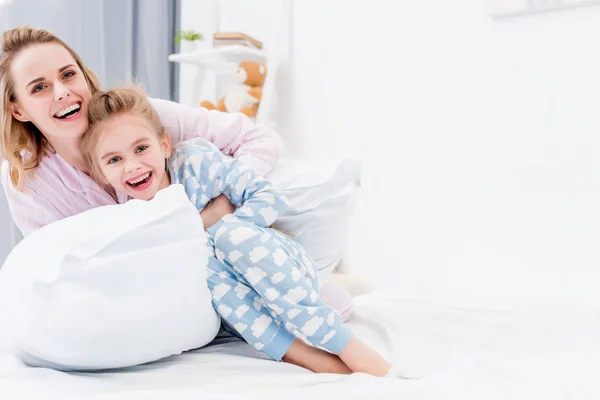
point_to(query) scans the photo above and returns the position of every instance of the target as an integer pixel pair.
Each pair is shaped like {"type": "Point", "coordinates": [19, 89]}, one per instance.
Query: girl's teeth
{"type": "Point", "coordinates": [140, 179]}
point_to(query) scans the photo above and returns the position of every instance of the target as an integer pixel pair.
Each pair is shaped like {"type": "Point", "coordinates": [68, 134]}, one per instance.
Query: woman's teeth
{"type": "Point", "coordinates": [69, 110]}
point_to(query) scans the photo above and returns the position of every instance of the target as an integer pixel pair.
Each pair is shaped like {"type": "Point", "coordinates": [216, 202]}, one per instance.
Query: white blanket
{"type": "Point", "coordinates": [457, 353]}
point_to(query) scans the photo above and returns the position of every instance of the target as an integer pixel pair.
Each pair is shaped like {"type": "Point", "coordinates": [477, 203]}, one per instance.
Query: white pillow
{"type": "Point", "coordinates": [323, 196]}
{"type": "Point", "coordinates": [112, 287]}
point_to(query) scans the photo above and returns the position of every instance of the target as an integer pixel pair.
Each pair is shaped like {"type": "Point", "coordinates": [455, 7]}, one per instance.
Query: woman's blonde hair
{"type": "Point", "coordinates": [18, 138]}
{"type": "Point", "coordinates": [105, 105]}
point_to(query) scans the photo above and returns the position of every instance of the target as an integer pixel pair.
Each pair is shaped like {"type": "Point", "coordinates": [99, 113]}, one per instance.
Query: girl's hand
{"type": "Point", "coordinates": [215, 210]}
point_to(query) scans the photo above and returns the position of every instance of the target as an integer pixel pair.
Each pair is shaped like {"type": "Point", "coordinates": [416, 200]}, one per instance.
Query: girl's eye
{"type": "Point", "coordinates": [141, 148]}
{"type": "Point", "coordinates": [114, 160]}
{"type": "Point", "coordinates": [38, 88]}
{"type": "Point", "coordinates": [69, 74]}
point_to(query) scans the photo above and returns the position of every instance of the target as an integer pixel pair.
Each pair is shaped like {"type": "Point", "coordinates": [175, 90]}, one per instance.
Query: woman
{"type": "Point", "coordinates": [44, 92]}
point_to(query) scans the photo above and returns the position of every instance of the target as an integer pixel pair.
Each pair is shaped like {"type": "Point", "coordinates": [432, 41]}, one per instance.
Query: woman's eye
{"type": "Point", "coordinates": [37, 88]}
{"type": "Point", "coordinates": [68, 74]}
{"type": "Point", "coordinates": [114, 160]}
{"type": "Point", "coordinates": [139, 149]}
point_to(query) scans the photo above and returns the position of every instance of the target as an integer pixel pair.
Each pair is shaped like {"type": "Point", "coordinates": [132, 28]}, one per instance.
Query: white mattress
{"type": "Point", "coordinates": [454, 353]}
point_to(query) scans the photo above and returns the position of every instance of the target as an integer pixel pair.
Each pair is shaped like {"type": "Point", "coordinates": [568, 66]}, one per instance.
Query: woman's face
{"type": "Point", "coordinates": [51, 91]}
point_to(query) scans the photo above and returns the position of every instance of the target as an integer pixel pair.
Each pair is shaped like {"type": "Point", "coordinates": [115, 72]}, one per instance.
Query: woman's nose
{"type": "Point", "coordinates": [60, 92]}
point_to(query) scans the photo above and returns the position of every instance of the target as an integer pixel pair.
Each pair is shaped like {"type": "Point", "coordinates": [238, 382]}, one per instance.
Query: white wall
{"type": "Point", "coordinates": [479, 140]}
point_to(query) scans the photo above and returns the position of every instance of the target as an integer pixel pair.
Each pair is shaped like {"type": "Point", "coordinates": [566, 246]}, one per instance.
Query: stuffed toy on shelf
{"type": "Point", "coordinates": [246, 94]}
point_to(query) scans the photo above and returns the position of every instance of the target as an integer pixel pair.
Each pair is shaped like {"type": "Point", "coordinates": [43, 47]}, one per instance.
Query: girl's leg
{"type": "Point", "coordinates": [314, 359]}
{"type": "Point", "coordinates": [361, 358]}
{"type": "Point", "coordinates": [282, 274]}
{"type": "Point", "coordinates": [238, 306]}
{"type": "Point", "coordinates": [240, 310]}
{"type": "Point", "coordinates": [279, 270]}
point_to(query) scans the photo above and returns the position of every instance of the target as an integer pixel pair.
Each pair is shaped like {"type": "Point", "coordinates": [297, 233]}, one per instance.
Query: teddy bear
{"type": "Point", "coordinates": [246, 93]}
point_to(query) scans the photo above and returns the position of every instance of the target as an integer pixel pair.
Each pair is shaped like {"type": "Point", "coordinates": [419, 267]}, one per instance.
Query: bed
{"type": "Point", "coordinates": [444, 353]}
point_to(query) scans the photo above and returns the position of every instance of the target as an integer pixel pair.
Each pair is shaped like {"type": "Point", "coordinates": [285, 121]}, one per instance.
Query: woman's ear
{"type": "Point", "coordinates": [18, 113]}
{"type": "Point", "coordinates": [166, 144]}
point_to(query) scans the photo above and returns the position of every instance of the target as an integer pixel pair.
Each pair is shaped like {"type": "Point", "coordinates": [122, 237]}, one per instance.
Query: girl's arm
{"type": "Point", "coordinates": [207, 173]}
{"type": "Point", "coordinates": [256, 199]}
{"type": "Point", "coordinates": [234, 134]}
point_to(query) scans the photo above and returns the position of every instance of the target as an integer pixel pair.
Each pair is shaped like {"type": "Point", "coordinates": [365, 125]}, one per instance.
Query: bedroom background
{"type": "Point", "coordinates": [478, 136]}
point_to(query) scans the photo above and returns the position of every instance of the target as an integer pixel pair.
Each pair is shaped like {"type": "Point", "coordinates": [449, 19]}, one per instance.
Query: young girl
{"type": "Point", "coordinates": [263, 284]}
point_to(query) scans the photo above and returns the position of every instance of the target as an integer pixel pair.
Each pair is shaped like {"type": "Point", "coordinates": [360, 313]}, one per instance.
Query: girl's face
{"type": "Point", "coordinates": [132, 157]}
{"type": "Point", "coordinates": [51, 91]}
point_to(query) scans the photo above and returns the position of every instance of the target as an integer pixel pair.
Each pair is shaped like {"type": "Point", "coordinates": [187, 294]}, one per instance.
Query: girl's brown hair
{"type": "Point", "coordinates": [105, 105]}
{"type": "Point", "coordinates": [21, 143]}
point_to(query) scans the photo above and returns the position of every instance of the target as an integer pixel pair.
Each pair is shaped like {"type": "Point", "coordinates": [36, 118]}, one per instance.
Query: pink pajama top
{"type": "Point", "coordinates": [57, 190]}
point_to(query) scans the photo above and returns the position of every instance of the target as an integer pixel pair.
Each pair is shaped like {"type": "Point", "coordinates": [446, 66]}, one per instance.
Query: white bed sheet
{"type": "Point", "coordinates": [454, 353]}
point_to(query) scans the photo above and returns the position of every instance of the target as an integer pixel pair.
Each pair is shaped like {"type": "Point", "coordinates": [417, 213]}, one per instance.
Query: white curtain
{"type": "Point", "coordinates": [120, 40]}
{"type": "Point", "coordinates": [9, 234]}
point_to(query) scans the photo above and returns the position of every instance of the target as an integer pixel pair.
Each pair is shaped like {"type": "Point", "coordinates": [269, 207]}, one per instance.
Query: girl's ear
{"type": "Point", "coordinates": [165, 142]}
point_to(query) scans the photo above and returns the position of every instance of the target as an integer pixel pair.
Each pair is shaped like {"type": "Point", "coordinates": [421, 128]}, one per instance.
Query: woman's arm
{"type": "Point", "coordinates": [29, 210]}
{"type": "Point", "coordinates": [234, 134]}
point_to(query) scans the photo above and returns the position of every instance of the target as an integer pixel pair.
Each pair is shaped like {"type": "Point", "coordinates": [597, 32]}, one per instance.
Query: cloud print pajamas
{"type": "Point", "coordinates": [263, 284]}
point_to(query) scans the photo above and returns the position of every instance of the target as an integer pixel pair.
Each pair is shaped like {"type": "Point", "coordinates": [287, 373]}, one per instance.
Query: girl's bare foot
{"type": "Point", "coordinates": [361, 358]}
{"type": "Point", "coordinates": [313, 359]}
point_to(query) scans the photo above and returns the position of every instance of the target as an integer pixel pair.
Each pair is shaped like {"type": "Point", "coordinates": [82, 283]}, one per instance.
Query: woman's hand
{"type": "Point", "coordinates": [215, 210]}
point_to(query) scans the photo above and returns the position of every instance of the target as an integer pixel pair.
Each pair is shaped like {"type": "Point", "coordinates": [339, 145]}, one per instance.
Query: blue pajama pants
{"type": "Point", "coordinates": [265, 288]}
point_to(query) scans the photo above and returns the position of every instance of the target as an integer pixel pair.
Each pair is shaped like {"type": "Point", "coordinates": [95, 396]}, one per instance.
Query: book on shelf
{"type": "Point", "coordinates": [230, 38]}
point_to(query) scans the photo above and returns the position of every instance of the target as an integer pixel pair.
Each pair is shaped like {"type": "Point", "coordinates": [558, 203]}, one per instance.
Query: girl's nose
{"type": "Point", "coordinates": [131, 165]}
